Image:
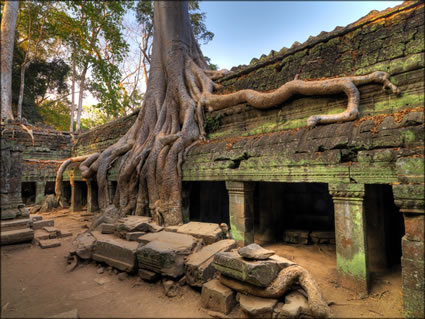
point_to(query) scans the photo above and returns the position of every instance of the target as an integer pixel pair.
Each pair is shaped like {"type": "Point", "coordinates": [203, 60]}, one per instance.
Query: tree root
{"type": "Point", "coordinates": [261, 100]}
{"type": "Point", "coordinates": [283, 282]}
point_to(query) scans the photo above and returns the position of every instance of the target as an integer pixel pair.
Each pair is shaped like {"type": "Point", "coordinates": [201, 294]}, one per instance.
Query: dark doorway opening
{"type": "Point", "coordinates": [207, 201]}
{"type": "Point", "coordinates": [28, 192]}
{"type": "Point", "coordinates": [66, 194]}
{"type": "Point", "coordinates": [283, 211]}
{"type": "Point", "coordinates": [49, 188]}
{"type": "Point", "coordinates": [385, 227]}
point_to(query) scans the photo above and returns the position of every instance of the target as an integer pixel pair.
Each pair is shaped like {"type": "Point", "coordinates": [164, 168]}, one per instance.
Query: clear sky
{"type": "Point", "coordinates": [247, 29]}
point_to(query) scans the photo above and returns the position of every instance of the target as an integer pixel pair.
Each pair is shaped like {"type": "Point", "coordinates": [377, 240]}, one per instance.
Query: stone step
{"type": "Point", "coordinates": [40, 234]}
{"type": "Point", "coordinates": [199, 266]}
{"type": "Point", "coordinates": [16, 236]}
{"type": "Point", "coordinates": [209, 232]}
{"type": "Point", "coordinates": [53, 231]}
{"type": "Point", "coordinates": [49, 243]}
{"type": "Point", "coordinates": [20, 223]}
{"type": "Point", "coordinates": [116, 252]}
{"type": "Point", "coordinates": [257, 307]}
{"type": "Point", "coordinates": [40, 224]}
{"type": "Point", "coordinates": [217, 297]}
{"type": "Point", "coordinates": [36, 218]}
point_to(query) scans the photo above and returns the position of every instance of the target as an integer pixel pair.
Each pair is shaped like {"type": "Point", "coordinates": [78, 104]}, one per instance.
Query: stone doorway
{"type": "Point", "coordinates": [28, 192]}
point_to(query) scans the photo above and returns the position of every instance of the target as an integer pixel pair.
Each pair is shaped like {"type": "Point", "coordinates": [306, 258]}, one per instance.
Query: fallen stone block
{"type": "Point", "coordinates": [83, 245]}
{"type": "Point", "coordinates": [199, 266]}
{"type": "Point", "coordinates": [256, 307]}
{"type": "Point", "coordinates": [172, 228]}
{"type": "Point", "coordinates": [115, 252]}
{"type": "Point", "coordinates": [217, 297]}
{"type": "Point", "coordinates": [49, 243]}
{"type": "Point", "coordinates": [66, 234]}
{"type": "Point", "coordinates": [296, 306]}
{"type": "Point", "coordinates": [209, 232]}
{"type": "Point", "coordinates": [185, 242]}
{"type": "Point", "coordinates": [137, 224]}
{"type": "Point", "coordinates": [16, 236]}
{"type": "Point", "coordinates": [296, 236]}
{"type": "Point", "coordinates": [322, 237]}
{"type": "Point", "coordinates": [134, 236]}
{"type": "Point", "coordinates": [148, 275]}
{"type": "Point", "coordinates": [256, 252]}
{"type": "Point", "coordinates": [52, 231]}
{"type": "Point", "coordinates": [41, 234]}
{"type": "Point", "coordinates": [72, 314]}
{"type": "Point", "coordinates": [43, 223]}
{"type": "Point", "coordinates": [107, 228]}
{"type": "Point", "coordinates": [256, 272]}
{"type": "Point", "coordinates": [36, 218]}
{"type": "Point", "coordinates": [34, 209]}
{"type": "Point", "coordinates": [15, 224]}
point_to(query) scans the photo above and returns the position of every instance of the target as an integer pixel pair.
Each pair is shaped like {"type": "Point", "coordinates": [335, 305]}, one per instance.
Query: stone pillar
{"type": "Point", "coordinates": [410, 199]}
{"type": "Point", "coordinates": [40, 188]}
{"type": "Point", "coordinates": [76, 196]}
{"type": "Point", "coordinates": [10, 181]}
{"type": "Point", "coordinates": [350, 235]}
{"type": "Point", "coordinates": [241, 211]}
{"type": "Point", "coordinates": [92, 203]}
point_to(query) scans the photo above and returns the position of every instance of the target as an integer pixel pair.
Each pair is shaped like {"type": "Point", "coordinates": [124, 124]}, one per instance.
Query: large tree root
{"type": "Point", "coordinates": [346, 85]}
{"type": "Point", "coordinates": [283, 282]}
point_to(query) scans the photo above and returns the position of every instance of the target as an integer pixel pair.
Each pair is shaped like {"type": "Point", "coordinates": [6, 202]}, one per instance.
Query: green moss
{"type": "Point", "coordinates": [355, 266]}
{"type": "Point", "coordinates": [400, 102]}
{"type": "Point", "coordinates": [398, 65]}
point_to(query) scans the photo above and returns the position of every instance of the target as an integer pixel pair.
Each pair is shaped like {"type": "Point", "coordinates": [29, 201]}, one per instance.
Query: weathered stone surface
{"type": "Point", "coordinates": [41, 234]}
{"type": "Point", "coordinates": [49, 243]}
{"type": "Point", "coordinates": [148, 275]}
{"type": "Point", "coordinates": [48, 203]}
{"type": "Point", "coordinates": [15, 224]}
{"type": "Point", "coordinates": [43, 223]}
{"type": "Point", "coordinates": [83, 245]}
{"type": "Point", "coordinates": [217, 297]}
{"type": "Point", "coordinates": [66, 234]}
{"type": "Point", "coordinates": [53, 230]}
{"type": "Point", "coordinates": [107, 228]}
{"type": "Point", "coordinates": [199, 266]}
{"type": "Point", "coordinates": [184, 241]}
{"type": "Point", "coordinates": [256, 252]}
{"type": "Point", "coordinates": [134, 236]}
{"type": "Point", "coordinates": [34, 209]}
{"type": "Point", "coordinates": [296, 236]}
{"type": "Point", "coordinates": [36, 218]}
{"type": "Point", "coordinates": [115, 252]}
{"type": "Point", "coordinates": [209, 232]}
{"type": "Point", "coordinates": [16, 236]}
{"type": "Point", "coordinates": [72, 314]}
{"type": "Point", "coordinates": [137, 224]}
{"type": "Point", "coordinates": [322, 237]}
{"type": "Point", "coordinates": [259, 272]}
{"type": "Point", "coordinates": [256, 307]}
{"type": "Point", "coordinates": [296, 306]}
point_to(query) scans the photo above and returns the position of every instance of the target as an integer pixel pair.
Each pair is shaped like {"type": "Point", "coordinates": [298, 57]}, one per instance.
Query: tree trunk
{"type": "Point", "coordinates": [22, 86]}
{"type": "Point", "coordinates": [8, 27]}
{"type": "Point", "coordinates": [81, 95]}
{"type": "Point", "coordinates": [71, 126]}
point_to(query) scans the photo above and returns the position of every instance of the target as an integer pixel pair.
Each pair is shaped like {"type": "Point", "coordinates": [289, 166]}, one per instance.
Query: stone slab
{"type": "Point", "coordinates": [107, 228]}
{"type": "Point", "coordinates": [40, 224]}
{"type": "Point", "coordinates": [148, 275]}
{"type": "Point", "coordinates": [295, 306]}
{"type": "Point", "coordinates": [36, 218]}
{"type": "Point", "coordinates": [134, 236]}
{"type": "Point", "coordinates": [116, 252]}
{"type": "Point", "coordinates": [256, 307]}
{"type": "Point", "coordinates": [256, 272]}
{"type": "Point", "coordinates": [41, 234]}
{"type": "Point", "coordinates": [199, 266]}
{"type": "Point", "coordinates": [255, 252]}
{"type": "Point", "coordinates": [49, 243]}
{"type": "Point", "coordinates": [322, 237]}
{"type": "Point", "coordinates": [66, 234]}
{"type": "Point", "coordinates": [72, 314]}
{"type": "Point", "coordinates": [209, 232]}
{"type": "Point", "coordinates": [137, 223]}
{"type": "Point", "coordinates": [16, 236]}
{"type": "Point", "coordinates": [15, 224]}
{"type": "Point", "coordinates": [296, 236]}
{"type": "Point", "coordinates": [185, 243]}
{"type": "Point", "coordinates": [217, 297]}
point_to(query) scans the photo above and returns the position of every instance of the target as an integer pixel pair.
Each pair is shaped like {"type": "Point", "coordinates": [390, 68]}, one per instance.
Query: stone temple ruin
{"type": "Point", "coordinates": [358, 185]}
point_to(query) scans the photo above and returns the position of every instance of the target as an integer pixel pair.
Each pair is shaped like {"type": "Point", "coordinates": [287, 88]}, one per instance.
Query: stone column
{"type": "Point", "coordinates": [410, 199]}
{"type": "Point", "coordinates": [92, 203]}
{"type": "Point", "coordinates": [76, 196]}
{"type": "Point", "coordinates": [241, 211]}
{"type": "Point", "coordinates": [350, 235]}
{"type": "Point", "coordinates": [40, 188]}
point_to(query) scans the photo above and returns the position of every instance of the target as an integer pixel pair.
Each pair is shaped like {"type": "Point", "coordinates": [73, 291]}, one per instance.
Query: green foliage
{"type": "Point", "coordinates": [212, 124]}
{"type": "Point", "coordinates": [56, 114]}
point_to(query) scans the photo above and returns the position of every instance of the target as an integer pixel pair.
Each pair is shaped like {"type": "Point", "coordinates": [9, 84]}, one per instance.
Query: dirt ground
{"type": "Point", "coordinates": [35, 284]}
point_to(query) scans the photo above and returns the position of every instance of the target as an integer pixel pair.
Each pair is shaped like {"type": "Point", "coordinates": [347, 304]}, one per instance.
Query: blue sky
{"type": "Point", "coordinates": [247, 29]}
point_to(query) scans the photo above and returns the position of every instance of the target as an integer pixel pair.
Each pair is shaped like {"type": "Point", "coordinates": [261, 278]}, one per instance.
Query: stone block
{"type": "Point", "coordinates": [209, 232]}
{"type": "Point", "coordinates": [322, 237]}
{"type": "Point", "coordinates": [414, 227]}
{"type": "Point", "coordinates": [296, 236]}
{"type": "Point", "coordinates": [36, 218]}
{"type": "Point", "coordinates": [115, 252]}
{"type": "Point", "coordinates": [49, 243]}
{"type": "Point", "coordinates": [256, 272]}
{"type": "Point", "coordinates": [295, 306]}
{"type": "Point", "coordinates": [256, 307]}
{"type": "Point", "coordinates": [72, 314]}
{"type": "Point", "coordinates": [83, 245]}
{"type": "Point", "coordinates": [148, 275]}
{"type": "Point", "coordinates": [413, 249]}
{"type": "Point", "coordinates": [256, 252]}
{"type": "Point", "coordinates": [413, 303]}
{"type": "Point", "coordinates": [199, 266]}
{"type": "Point", "coordinates": [107, 228]}
{"type": "Point", "coordinates": [412, 274]}
{"type": "Point", "coordinates": [16, 236]}
{"type": "Point", "coordinates": [40, 224]}
{"type": "Point", "coordinates": [137, 224]}
{"type": "Point", "coordinates": [134, 236]}
{"type": "Point", "coordinates": [15, 224]}
{"type": "Point", "coordinates": [183, 241]}
{"type": "Point", "coordinates": [66, 234]}
{"type": "Point", "coordinates": [53, 230]}
{"type": "Point", "coordinates": [41, 234]}
{"type": "Point", "coordinates": [217, 297]}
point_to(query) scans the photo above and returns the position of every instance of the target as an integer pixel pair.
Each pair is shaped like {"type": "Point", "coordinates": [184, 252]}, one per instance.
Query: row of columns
{"type": "Point", "coordinates": [351, 236]}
